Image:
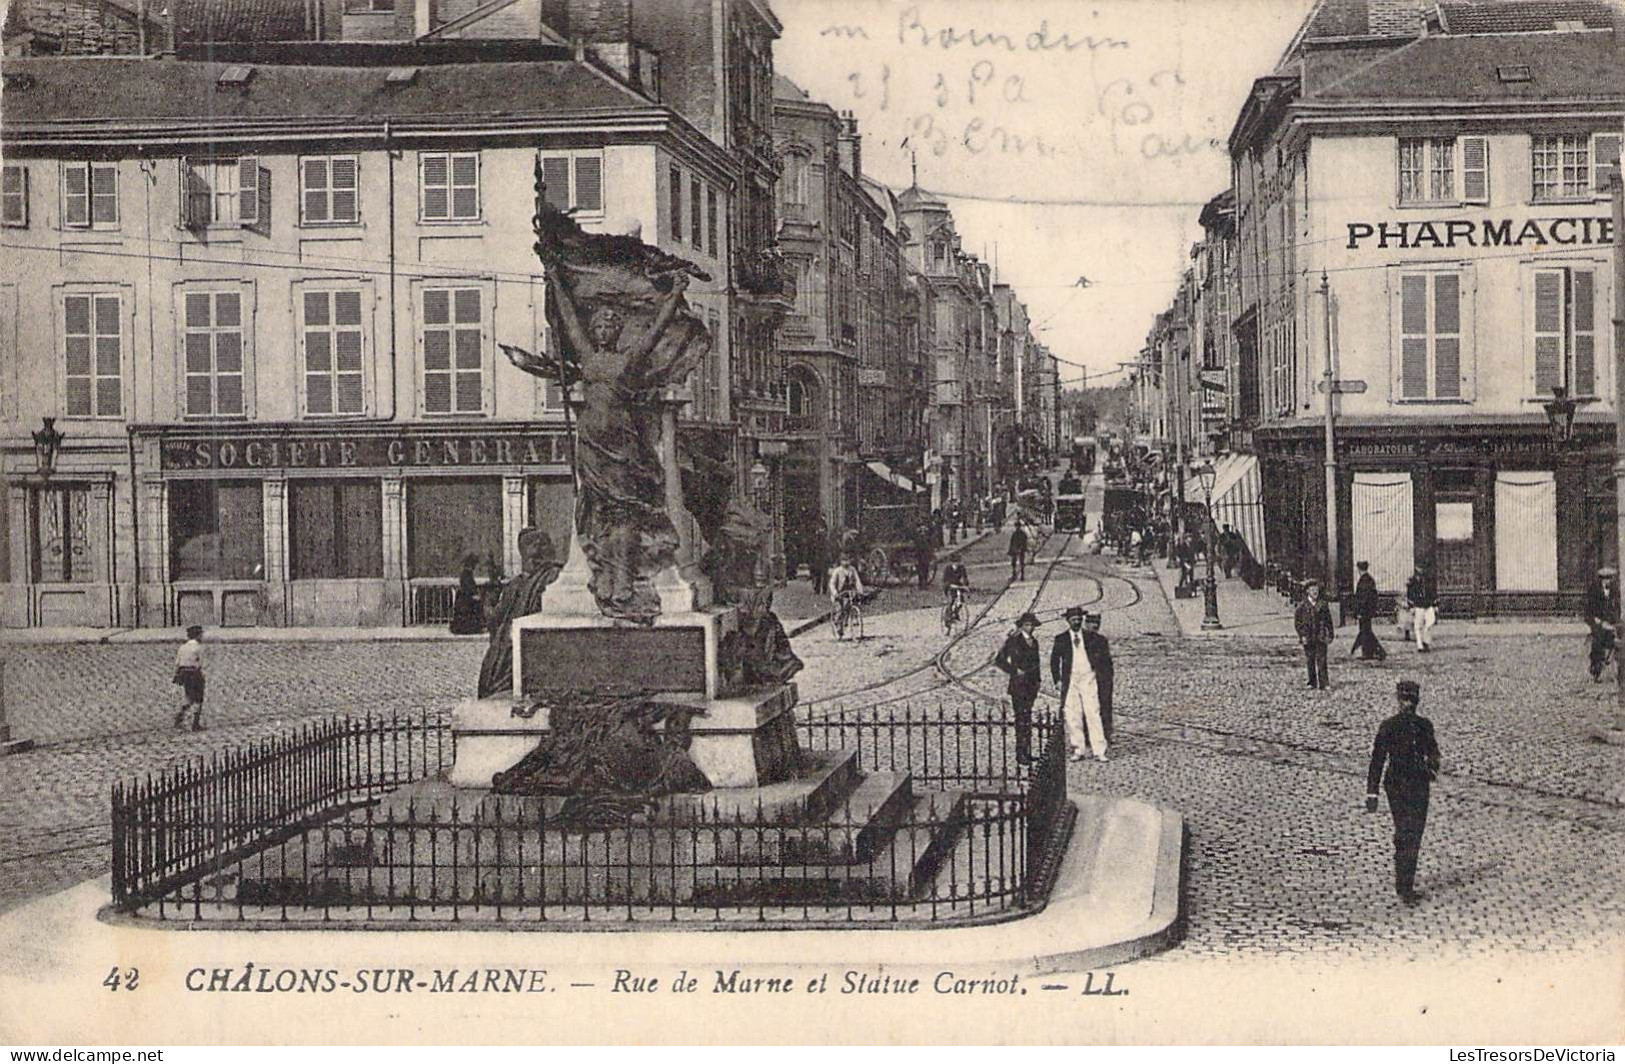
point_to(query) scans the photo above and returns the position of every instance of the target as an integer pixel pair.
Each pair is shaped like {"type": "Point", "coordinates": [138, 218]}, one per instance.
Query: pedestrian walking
{"type": "Point", "coordinates": [951, 517]}
{"type": "Point", "coordinates": [1365, 608]}
{"type": "Point", "coordinates": [1405, 760]}
{"type": "Point", "coordinates": [1316, 630]}
{"type": "Point", "coordinates": [467, 615]}
{"type": "Point", "coordinates": [924, 551]}
{"type": "Point", "coordinates": [1229, 550]}
{"type": "Point", "coordinates": [1080, 663]}
{"type": "Point", "coordinates": [189, 677]}
{"type": "Point", "coordinates": [1602, 617]}
{"type": "Point", "coordinates": [818, 557]}
{"type": "Point", "coordinates": [1423, 598]}
{"type": "Point", "coordinates": [1018, 551]}
{"type": "Point", "coordinates": [1019, 660]}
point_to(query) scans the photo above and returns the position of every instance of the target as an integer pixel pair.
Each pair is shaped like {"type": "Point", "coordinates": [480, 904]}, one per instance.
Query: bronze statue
{"type": "Point", "coordinates": [638, 338]}
{"type": "Point", "coordinates": [520, 597]}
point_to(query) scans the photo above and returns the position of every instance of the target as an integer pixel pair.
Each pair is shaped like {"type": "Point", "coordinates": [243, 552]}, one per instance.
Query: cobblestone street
{"type": "Point", "coordinates": [1281, 860]}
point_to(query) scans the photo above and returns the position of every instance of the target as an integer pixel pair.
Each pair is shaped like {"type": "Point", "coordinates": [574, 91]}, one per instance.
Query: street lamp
{"type": "Point", "coordinates": [1560, 417]}
{"type": "Point", "coordinates": [47, 441]}
{"type": "Point", "coordinates": [1210, 587]}
{"type": "Point", "coordinates": [759, 478]}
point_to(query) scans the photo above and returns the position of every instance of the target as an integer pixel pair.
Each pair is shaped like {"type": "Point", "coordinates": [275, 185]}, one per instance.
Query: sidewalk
{"type": "Point", "coordinates": [1268, 614]}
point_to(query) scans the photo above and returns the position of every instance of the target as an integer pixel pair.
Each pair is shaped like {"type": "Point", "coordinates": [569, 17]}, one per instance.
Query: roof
{"type": "Point", "coordinates": [785, 89]}
{"type": "Point", "coordinates": [915, 196]}
{"type": "Point", "coordinates": [62, 90]}
{"type": "Point", "coordinates": [1523, 16]}
{"type": "Point", "coordinates": [240, 20]}
{"type": "Point", "coordinates": [1464, 69]}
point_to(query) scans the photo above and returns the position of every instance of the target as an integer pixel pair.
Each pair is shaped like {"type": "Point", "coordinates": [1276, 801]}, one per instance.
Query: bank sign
{"type": "Point", "coordinates": [1460, 233]}
{"type": "Point", "coordinates": [392, 451]}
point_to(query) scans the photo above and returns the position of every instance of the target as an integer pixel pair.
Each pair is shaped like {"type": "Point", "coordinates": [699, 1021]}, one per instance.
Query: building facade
{"type": "Point", "coordinates": [270, 340]}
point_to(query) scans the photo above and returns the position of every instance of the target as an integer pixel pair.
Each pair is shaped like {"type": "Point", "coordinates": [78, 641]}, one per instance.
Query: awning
{"type": "Point", "coordinates": [1238, 501]}
{"type": "Point", "coordinates": [892, 477]}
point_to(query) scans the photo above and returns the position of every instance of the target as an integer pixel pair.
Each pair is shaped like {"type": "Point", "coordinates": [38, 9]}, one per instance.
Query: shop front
{"type": "Point", "coordinates": [366, 527]}
{"type": "Point", "coordinates": [1476, 505]}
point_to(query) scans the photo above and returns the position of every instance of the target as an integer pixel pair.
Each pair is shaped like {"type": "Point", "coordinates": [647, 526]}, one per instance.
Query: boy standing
{"type": "Point", "coordinates": [189, 676]}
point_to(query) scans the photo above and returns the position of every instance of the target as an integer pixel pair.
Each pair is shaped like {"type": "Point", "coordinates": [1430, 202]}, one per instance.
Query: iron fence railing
{"type": "Point", "coordinates": [906, 814]}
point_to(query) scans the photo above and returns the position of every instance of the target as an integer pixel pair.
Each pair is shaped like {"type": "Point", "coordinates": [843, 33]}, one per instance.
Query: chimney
{"type": "Point", "coordinates": [1395, 18]}
{"type": "Point", "coordinates": [850, 145]}
{"type": "Point", "coordinates": [423, 17]}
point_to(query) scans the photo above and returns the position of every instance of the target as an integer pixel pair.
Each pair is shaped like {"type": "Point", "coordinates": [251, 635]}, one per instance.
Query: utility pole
{"type": "Point", "coordinates": [1332, 588]}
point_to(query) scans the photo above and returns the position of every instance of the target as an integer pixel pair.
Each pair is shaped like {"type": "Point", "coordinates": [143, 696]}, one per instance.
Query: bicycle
{"type": "Point", "coordinates": [953, 611]}
{"type": "Point", "coordinates": [847, 613]}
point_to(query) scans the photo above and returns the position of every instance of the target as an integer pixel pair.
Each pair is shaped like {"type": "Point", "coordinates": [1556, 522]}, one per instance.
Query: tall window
{"type": "Point", "coordinates": [334, 340]}
{"type": "Point", "coordinates": [93, 337]}
{"type": "Point", "coordinates": [1444, 170]}
{"type": "Point", "coordinates": [453, 352]}
{"type": "Point", "coordinates": [696, 213]}
{"type": "Point", "coordinates": [225, 192]}
{"type": "Point", "coordinates": [1431, 336]}
{"type": "Point", "coordinates": [14, 195]}
{"type": "Point", "coordinates": [711, 221]}
{"type": "Point", "coordinates": [794, 181]}
{"type": "Point", "coordinates": [335, 530]}
{"type": "Point", "coordinates": [213, 345]}
{"type": "Point", "coordinates": [575, 181]}
{"type": "Point", "coordinates": [1565, 318]}
{"type": "Point", "coordinates": [89, 195]}
{"type": "Point", "coordinates": [448, 186]}
{"type": "Point", "coordinates": [216, 530]}
{"type": "Point", "coordinates": [329, 190]}
{"type": "Point", "coordinates": [1568, 166]}
{"type": "Point", "coordinates": [676, 203]}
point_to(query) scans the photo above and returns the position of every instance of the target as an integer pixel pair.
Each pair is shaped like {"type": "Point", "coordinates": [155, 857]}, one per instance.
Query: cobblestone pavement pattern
{"type": "Point", "coordinates": [1522, 849]}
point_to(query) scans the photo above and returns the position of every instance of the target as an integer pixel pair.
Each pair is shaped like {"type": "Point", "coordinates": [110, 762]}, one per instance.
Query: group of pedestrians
{"type": "Point", "coordinates": [1080, 665]}
{"type": "Point", "coordinates": [1416, 614]}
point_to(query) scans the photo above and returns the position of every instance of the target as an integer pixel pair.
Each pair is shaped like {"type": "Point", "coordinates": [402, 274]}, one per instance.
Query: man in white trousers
{"type": "Point", "coordinates": [1080, 663]}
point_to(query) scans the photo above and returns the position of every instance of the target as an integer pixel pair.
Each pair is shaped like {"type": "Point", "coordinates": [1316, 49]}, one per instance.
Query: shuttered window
{"type": "Point", "coordinates": [1604, 161]}
{"type": "Point", "coordinates": [335, 343]}
{"type": "Point", "coordinates": [575, 181]}
{"type": "Point", "coordinates": [1444, 170]}
{"type": "Point", "coordinates": [1562, 166]}
{"type": "Point", "coordinates": [1431, 336]}
{"type": "Point", "coordinates": [213, 353]}
{"type": "Point", "coordinates": [448, 186]}
{"type": "Point", "coordinates": [93, 338]}
{"type": "Point", "coordinates": [676, 205]}
{"type": "Point", "coordinates": [225, 192]}
{"type": "Point", "coordinates": [89, 195]}
{"type": "Point", "coordinates": [1475, 169]}
{"type": "Point", "coordinates": [1565, 319]}
{"type": "Point", "coordinates": [711, 221]}
{"type": "Point", "coordinates": [329, 190]}
{"type": "Point", "coordinates": [696, 213]}
{"type": "Point", "coordinates": [453, 350]}
{"type": "Point", "coordinates": [14, 196]}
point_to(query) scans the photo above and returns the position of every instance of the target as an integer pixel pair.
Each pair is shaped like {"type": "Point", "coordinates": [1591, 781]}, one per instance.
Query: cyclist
{"type": "Point", "coordinates": [845, 589]}
{"type": "Point", "coordinates": [955, 586]}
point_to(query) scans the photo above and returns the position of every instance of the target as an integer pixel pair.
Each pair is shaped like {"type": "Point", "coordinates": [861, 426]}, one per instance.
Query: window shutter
{"type": "Point", "coordinates": [1548, 322]}
{"type": "Point", "coordinates": [103, 194]}
{"type": "Point", "coordinates": [15, 196]}
{"type": "Point", "coordinates": [589, 183]}
{"type": "Point", "coordinates": [76, 195]}
{"type": "Point", "coordinates": [187, 214]}
{"type": "Point", "coordinates": [465, 182]}
{"type": "Point", "coordinates": [1585, 331]}
{"type": "Point", "coordinates": [1475, 169]}
{"type": "Point", "coordinates": [262, 197]}
{"type": "Point", "coordinates": [248, 191]}
{"type": "Point", "coordinates": [1605, 161]}
{"type": "Point", "coordinates": [556, 176]}
{"type": "Point", "coordinates": [1446, 335]}
{"type": "Point", "coordinates": [314, 183]}
{"type": "Point", "coordinates": [1413, 326]}
{"type": "Point", "coordinates": [435, 185]}
{"type": "Point", "coordinates": [344, 175]}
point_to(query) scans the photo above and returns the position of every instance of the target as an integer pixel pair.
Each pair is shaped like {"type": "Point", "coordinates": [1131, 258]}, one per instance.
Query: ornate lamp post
{"type": "Point", "coordinates": [1210, 586]}
{"type": "Point", "coordinates": [1560, 417]}
{"type": "Point", "coordinates": [47, 442]}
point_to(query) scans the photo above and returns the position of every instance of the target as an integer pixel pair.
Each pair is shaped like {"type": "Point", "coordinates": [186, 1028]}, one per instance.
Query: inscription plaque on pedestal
{"type": "Point", "coordinates": [655, 660]}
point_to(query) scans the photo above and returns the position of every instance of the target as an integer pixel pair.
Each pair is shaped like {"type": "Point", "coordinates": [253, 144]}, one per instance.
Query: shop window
{"type": "Point", "coordinates": [335, 530]}
{"type": "Point", "coordinates": [216, 530]}
{"type": "Point", "coordinates": [453, 350]}
{"type": "Point", "coordinates": [448, 519]}
{"type": "Point", "coordinates": [552, 509]}
{"type": "Point", "coordinates": [1431, 335]}
{"type": "Point", "coordinates": [329, 190]}
{"type": "Point", "coordinates": [93, 347]}
{"type": "Point", "coordinates": [61, 535]}
{"type": "Point", "coordinates": [1565, 318]}
{"type": "Point", "coordinates": [213, 345]}
{"type": "Point", "coordinates": [334, 342]}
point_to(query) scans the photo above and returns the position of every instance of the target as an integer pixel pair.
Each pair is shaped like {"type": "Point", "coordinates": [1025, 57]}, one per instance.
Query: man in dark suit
{"type": "Point", "coordinates": [1316, 630]}
{"type": "Point", "coordinates": [1018, 659]}
{"type": "Point", "coordinates": [1602, 617]}
{"type": "Point", "coordinates": [1018, 551]}
{"type": "Point", "coordinates": [1080, 663]}
{"type": "Point", "coordinates": [1405, 760]}
{"type": "Point", "coordinates": [1365, 608]}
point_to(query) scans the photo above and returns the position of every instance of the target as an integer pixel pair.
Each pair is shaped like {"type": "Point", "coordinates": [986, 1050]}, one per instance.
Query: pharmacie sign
{"type": "Point", "coordinates": [1459, 233]}
{"type": "Point", "coordinates": [395, 450]}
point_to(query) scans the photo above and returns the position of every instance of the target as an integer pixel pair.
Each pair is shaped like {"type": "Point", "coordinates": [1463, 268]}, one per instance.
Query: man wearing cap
{"type": "Point", "coordinates": [1316, 630]}
{"type": "Point", "coordinates": [1405, 760]}
{"type": "Point", "coordinates": [1602, 617]}
{"type": "Point", "coordinates": [189, 677]}
{"type": "Point", "coordinates": [1018, 659]}
{"type": "Point", "coordinates": [1080, 662]}
{"type": "Point", "coordinates": [1365, 608]}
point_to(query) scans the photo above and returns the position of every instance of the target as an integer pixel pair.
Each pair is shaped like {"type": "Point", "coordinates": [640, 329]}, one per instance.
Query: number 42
{"type": "Point", "coordinates": [128, 979]}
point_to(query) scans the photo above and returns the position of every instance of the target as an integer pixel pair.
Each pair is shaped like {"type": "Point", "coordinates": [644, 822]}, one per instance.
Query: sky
{"type": "Point", "coordinates": [1070, 138]}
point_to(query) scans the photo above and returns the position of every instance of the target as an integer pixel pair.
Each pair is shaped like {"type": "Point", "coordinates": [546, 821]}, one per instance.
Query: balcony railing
{"type": "Point", "coordinates": [764, 274]}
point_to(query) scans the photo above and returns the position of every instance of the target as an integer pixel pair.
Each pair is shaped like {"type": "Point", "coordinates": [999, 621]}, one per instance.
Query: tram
{"type": "Point", "coordinates": [1083, 455]}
